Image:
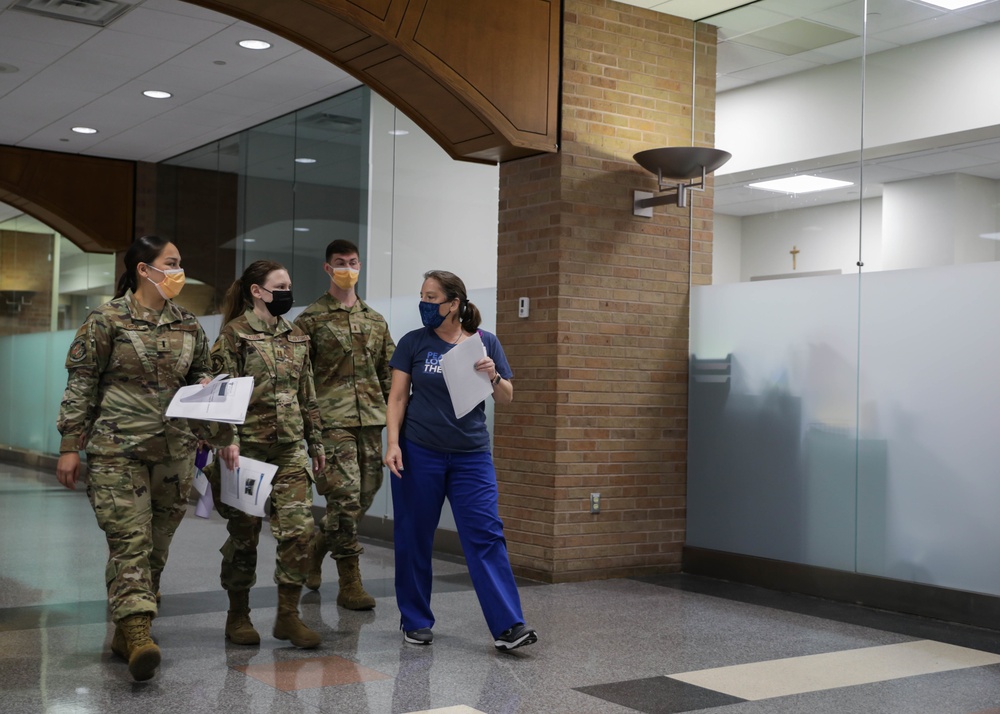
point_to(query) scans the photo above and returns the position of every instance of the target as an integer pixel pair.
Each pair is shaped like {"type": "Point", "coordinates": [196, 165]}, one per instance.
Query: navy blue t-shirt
{"type": "Point", "coordinates": [430, 418]}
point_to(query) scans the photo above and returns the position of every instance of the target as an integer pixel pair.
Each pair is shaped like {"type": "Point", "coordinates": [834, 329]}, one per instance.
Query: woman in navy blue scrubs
{"type": "Point", "coordinates": [447, 456]}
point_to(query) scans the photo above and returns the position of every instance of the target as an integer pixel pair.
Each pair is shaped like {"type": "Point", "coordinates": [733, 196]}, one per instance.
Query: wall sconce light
{"type": "Point", "coordinates": [680, 166]}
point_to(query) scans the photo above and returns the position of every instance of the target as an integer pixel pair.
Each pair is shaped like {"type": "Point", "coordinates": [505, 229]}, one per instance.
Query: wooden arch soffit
{"type": "Point", "coordinates": [85, 198]}
{"type": "Point", "coordinates": [479, 76]}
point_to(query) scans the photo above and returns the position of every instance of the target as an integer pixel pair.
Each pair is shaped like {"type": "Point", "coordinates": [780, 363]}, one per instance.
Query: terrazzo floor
{"type": "Point", "coordinates": [672, 643]}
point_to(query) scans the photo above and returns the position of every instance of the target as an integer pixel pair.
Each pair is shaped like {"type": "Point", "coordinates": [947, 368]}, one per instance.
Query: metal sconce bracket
{"type": "Point", "coordinates": [683, 163]}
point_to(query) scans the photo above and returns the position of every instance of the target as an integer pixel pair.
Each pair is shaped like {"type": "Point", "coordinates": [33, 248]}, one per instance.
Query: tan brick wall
{"type": "Point", "coordinates": [601, 364]}
{"type": "Point", "coordinates": [25, 282]}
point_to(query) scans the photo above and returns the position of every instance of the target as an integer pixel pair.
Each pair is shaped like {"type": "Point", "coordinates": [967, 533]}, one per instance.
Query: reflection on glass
{"type": "Point", "coordinates": [851, 429]}
{"type": "Point", "coordinates": [281, 191]}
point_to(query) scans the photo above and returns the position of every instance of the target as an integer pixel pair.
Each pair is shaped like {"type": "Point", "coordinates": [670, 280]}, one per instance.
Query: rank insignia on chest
{"type": "Point", "coordinates": [162, 345]}
{"type": "Point", "coordinates": [356, 327]}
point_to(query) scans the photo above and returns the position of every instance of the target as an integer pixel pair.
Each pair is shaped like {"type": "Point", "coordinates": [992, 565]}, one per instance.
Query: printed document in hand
{"type": "Point", "coordinates": [466, 386]}
{"type": "Point", "coordinates": [221, 399]}
{"type": "Point", "coordinates": [249, 487]}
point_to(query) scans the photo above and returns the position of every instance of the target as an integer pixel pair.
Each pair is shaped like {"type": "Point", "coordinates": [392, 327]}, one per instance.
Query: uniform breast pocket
{"type": "Point", "coordinates": [180, 343]}
{"type": "Point", "coordinates": [299, 349]}
{"type": "Point", "coordinates": [376, 340]}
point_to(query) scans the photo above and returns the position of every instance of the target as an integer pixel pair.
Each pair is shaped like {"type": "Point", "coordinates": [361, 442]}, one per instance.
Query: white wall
{"type": "Point", "coordinates": [938, 220]}
{"type": "Point", "coordinates": [826, 236]}
{"type": "Point", "coordinates": [911, 93]}
{"type": "Point", "coordinates": [727, 237]}
{"type": "Point", "coordinates": [427, 212]}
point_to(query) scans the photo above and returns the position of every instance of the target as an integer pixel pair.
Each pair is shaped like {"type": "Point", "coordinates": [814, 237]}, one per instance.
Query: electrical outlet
{"type": "Point", "coordinates": [595, 503]}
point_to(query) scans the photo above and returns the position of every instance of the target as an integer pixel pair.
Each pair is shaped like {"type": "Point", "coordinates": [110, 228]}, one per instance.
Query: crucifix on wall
{"type": "Point", "coordinates": [795, 254]}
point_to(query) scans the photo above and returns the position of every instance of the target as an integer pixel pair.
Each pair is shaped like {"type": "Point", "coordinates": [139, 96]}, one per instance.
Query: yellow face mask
{"type": "Point", "coordinates": [345, 278]}
{"type": "Point", "coordinates": [170, 286]}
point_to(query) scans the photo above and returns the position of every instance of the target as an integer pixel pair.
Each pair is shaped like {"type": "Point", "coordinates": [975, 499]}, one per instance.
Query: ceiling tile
{"type": "Point", "coordinates": [167, 26]}
{"type": "Point", "coordinates": [188, 10]}
{"type": "Point", "coordinates": [130, 46]}
{"type": "Point", "coordinates": [91, 71]}
{"type": "Point", "coordinates": [696, 9]}
{"type": "Point", "coordinates": [771, 70]}
{"type": "Point", "coordinates": [746, 19]}
{"type": "Point", "coordinates": [926, 29]}
{"type": "Point", "coordinates": [734, 57]}
{"type": "Point", "coordinates": [15, 50]}
{"type": "Point", "coordinates": [55, 32]}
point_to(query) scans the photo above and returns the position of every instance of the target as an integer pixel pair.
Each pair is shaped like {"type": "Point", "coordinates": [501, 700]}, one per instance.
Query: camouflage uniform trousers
{"type": "Point", "coordinates": [138, 505]}
{"type": "Point", "coordinates": [290, 515]}
{"type": "Point", "coordinates": [352, 477]}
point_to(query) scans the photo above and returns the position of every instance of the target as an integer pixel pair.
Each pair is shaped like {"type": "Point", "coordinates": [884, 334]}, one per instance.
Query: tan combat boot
{"type": "Point", "coordinates": [317, 552]}
{"type": "Point", "coordinates": [132, 641]}
{"type": "Point", "coordinates": [352, 593]}
{"type": "Point", "coordinates": [239, 629]}
{"type": "Point", "coordinates": [288, 626]}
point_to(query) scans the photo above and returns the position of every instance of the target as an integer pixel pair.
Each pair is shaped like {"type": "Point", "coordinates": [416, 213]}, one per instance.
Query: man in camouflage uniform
{"type": "Point", "coordinates": [125, 364]}
{"type": "Point", "coordinates": [350, 348]}
{"type": "Point", "coordinates": [282, 412]}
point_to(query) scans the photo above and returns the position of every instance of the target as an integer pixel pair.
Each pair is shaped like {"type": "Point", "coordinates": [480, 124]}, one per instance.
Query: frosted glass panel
{"type": "Point", "coordinates": [929, 349]}
{"type": "Point", "coordinates": [32, 381]}
{"type": "Point", "coordinates": [772, 449]}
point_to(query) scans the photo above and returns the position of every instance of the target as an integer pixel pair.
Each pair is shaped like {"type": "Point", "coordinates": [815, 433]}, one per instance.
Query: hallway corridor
{"type": "Point", "coordinates": [658, 645]}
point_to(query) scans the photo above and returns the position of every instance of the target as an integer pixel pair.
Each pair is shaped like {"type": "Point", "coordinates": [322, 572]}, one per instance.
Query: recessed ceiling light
{"type": "Point", "coordinates": [952, 4]}
{"type": "Point", "coordinates": [157, 94]}
{"type": "Point", "coordinates": [84, 130]}
{"type": "Point", "coordinates": [399, 132]}
{"type": "Point", "coordinates": [800, 184]}
{"type": "Point", "coordinates": [301, 229]}
{"type": "Point", "coordinates": [990, 236]}
{"type": "Point", "coordinates": [254, 44]}
{"type": "Point", "coordinates": [304, 160]}
{"type": "Point", "coordinates": [249, 240]}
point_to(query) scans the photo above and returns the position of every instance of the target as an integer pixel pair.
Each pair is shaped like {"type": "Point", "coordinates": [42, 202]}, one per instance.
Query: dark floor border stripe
{"type": "Point", "coordinates": [928, 601]}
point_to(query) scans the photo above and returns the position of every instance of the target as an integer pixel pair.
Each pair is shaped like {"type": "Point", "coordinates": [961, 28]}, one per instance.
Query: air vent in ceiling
{"type": "Point", "coordinates": [335, 122]}
{"type": "Point", "coordinates": [90, 12]}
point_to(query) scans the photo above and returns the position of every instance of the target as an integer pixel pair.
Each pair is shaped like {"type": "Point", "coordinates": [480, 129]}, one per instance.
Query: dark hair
{"type": "Point", "coordinates": [468, 314]}
{"type": "Point", "coordinates": [341, 247]}
{"type": "Point", "coordinates": [238, 298]}
{"type": "Point", "coordinates": [144, 249]}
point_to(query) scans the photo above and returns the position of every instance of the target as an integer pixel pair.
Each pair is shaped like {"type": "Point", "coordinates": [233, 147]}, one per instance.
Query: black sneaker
{"type": "Point", "coordinates": [517, 636]}
{"type": "Point", "coordinates": [423, 636]}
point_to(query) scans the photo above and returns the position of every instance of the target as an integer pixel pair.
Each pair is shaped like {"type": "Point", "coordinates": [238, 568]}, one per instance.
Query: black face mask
{"type": "Point", "coordinates": [281, 301]}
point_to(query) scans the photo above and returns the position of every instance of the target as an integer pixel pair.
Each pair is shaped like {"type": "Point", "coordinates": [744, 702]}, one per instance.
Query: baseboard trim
{"type": "Point", "coordinates": [900, 596]}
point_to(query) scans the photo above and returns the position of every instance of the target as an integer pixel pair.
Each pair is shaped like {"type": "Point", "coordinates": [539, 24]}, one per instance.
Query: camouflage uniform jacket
{"type": "Point", "coordinates": [125, 364]}
{"type": "Point", "coordinates": [350, 350]}
{"type": "Point", "coordinates": [283, 406]}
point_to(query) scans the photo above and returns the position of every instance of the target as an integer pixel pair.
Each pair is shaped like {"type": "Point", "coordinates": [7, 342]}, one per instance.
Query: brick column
{"type": "Point", "coordinates": [601, 363]}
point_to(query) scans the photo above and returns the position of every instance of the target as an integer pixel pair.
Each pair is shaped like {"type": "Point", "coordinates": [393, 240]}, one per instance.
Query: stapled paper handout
{"type": "Point", "coordinates": [466, 386]}
{"type": "Point", "coordinates": [222, 399]}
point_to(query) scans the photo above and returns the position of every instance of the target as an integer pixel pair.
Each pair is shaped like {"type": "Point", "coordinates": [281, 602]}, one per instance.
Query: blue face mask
{"type": "Point", "coordinates": [430, 315]}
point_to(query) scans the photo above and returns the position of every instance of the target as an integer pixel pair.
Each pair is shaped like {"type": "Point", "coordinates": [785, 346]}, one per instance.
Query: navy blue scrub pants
{"type": "Point", "coordinates": [470, 483]}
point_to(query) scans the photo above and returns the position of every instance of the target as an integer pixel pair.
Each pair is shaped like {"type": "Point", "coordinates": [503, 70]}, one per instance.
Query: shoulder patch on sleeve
{"type": "Point", "coordinates": [218, 365]}
{"type": "Point", "coordinates": [78, 350]}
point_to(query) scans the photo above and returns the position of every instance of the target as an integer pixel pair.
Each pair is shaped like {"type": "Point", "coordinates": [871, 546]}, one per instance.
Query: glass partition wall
{"type": "Point", "coordinates": [842, 390]}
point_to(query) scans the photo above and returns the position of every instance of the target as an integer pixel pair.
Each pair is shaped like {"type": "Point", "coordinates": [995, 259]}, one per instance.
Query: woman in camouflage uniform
{"type": "Point", "coordinates": [125, 364]}
{"type": "Point", "coordinates": [257, 342]}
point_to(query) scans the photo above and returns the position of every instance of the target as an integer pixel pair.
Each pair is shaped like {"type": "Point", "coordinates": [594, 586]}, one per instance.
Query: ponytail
{"type": "Point", "coordinates": [144, 249]}
{"type": "Point", "coordinates": [468, 315]}
{"type": "Point", "coordinates": [453, 287]}
{"type": "Point", "coordinates": [238, 298]}
{"type": "Point", "coordinates": [233, 305]}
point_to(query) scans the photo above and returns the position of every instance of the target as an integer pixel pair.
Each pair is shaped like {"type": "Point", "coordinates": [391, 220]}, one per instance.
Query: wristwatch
{"type": "Point", "coordinates": [496, 380]}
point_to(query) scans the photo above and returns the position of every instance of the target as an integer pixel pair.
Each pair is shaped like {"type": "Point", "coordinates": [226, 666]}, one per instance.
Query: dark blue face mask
{"type": "Point", "coordinates": [430, 314]}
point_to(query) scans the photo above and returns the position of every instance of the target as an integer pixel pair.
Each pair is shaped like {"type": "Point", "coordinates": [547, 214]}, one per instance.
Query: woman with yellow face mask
{"type": "Point", "coordinates": [125, 365]}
